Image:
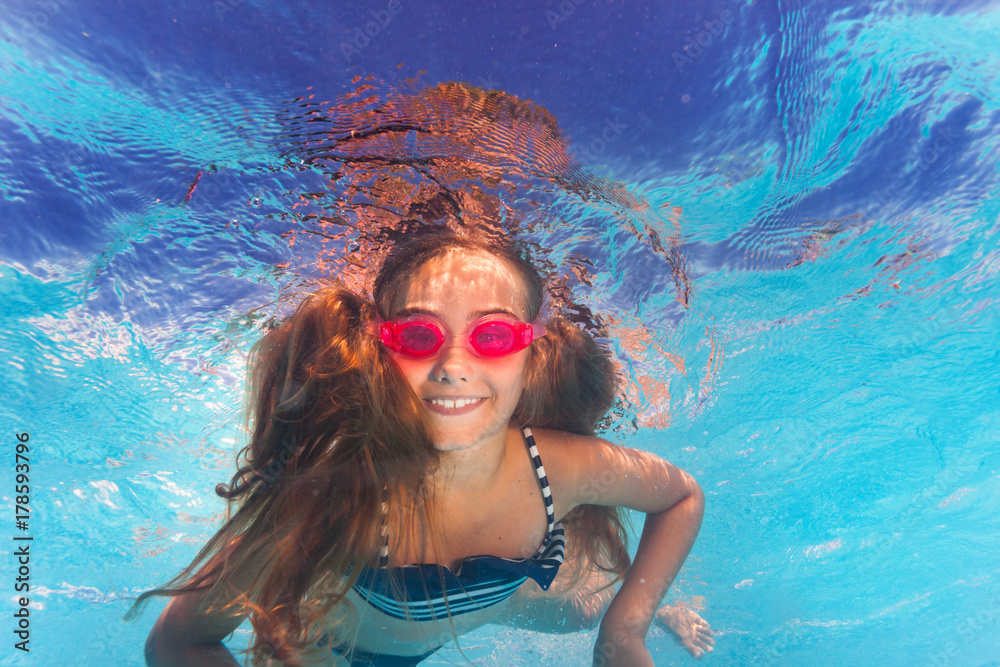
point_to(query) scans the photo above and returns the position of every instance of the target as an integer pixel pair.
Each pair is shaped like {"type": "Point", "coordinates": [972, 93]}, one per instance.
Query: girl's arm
{"type": "Point", "coordinates": [191, 629]}
{"type": "Point", "coordinates": [185, 635]}
{"type": "Point", "coordinates": [594, 471]}
{"type": "Point", "coordinates": [666, 540]}
{"type": "Point", "coordinates": [560, 610]}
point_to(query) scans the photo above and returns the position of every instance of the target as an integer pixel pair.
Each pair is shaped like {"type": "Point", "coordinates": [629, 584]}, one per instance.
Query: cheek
{"type": "Point", "coordinates": [412, 370]}
{"type": "Point", "coordinates": [516, 378]}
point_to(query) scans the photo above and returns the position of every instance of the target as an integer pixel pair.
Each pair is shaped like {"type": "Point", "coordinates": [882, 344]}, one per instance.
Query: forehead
{"type": "Point", "coordinates": [465, 280]}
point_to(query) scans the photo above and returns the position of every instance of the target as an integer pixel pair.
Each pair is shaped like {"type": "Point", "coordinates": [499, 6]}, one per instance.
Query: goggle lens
{"type": "Point", "coordinates": [418, 339]}
{"type": "Point", "coordinates": [493, 338]}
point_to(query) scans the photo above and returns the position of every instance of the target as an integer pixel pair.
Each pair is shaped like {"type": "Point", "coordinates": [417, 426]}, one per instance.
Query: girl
{"type": "Point", "coordinates": [393, 494]}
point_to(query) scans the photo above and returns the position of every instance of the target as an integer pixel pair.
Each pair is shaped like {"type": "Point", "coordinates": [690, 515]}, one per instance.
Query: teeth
{"type": "Point", "coordinates": [461, 403]}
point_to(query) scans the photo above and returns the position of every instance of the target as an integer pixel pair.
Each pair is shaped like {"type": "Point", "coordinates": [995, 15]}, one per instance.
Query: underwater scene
{"type": "Point", "coordinates": [779, 219]}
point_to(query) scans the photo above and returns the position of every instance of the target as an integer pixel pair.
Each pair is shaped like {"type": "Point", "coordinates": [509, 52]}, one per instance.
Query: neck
{"type": "Point", "coordinates": [472, 470]}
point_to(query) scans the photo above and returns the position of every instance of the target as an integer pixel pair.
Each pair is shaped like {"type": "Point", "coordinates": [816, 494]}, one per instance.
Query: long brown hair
{"type": "Point", "coordinates": [333, 425]}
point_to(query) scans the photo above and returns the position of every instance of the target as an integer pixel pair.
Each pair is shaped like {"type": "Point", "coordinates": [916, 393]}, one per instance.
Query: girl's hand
{"type": "Point", "coordinates": [689, 629]}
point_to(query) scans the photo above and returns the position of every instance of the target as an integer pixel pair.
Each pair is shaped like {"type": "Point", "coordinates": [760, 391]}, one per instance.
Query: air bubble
{"type": "Point", "coordinates": [256, 202]}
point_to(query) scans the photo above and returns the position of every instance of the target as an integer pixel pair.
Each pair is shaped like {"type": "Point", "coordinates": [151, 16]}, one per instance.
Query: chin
{"type": "Point", "coordinates": [450, 442]}
{"type": "Point", "coordinates": [449, 446]}
{"type": "Point", "coordinates": [452, 438]}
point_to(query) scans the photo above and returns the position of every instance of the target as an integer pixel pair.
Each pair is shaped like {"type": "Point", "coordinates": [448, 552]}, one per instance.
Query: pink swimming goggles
{"type": "Point", "coordinates": [422, 336]}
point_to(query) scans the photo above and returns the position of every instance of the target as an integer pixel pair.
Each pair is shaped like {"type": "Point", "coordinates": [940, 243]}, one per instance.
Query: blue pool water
{"type": "Point", "coordinates": [827, 171]}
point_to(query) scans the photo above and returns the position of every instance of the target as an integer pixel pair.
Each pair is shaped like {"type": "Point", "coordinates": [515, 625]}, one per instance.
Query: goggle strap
{"type": "Point", "coordinates": [387, 334]}
{"type": "Point", "coordinates": [526, 334]}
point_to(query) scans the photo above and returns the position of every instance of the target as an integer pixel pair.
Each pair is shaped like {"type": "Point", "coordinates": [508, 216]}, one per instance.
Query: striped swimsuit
{"type": "Point", "coordinates": [426, 592]}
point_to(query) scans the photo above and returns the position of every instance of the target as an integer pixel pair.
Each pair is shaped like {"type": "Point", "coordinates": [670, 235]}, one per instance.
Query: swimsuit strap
{"type": "Point", "coordinates": [383, 556]}
{"type": "Point", "coordinates": [543, 480]}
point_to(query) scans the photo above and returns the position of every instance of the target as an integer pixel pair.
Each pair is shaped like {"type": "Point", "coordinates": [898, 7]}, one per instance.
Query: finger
{"type": "Point", "coordinates": [693, 650]}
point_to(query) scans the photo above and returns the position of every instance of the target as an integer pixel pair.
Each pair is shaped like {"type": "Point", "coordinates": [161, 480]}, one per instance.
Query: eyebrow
{"type": "Point", "coordinates": [479, 314]}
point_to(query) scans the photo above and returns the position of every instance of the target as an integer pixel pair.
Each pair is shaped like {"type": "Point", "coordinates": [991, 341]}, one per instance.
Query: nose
{"type": "Point", "coordinates": [453, 362]}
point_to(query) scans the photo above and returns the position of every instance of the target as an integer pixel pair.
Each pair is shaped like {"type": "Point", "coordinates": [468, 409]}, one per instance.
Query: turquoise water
{"type": "Point", "coordinates": [830, 176]}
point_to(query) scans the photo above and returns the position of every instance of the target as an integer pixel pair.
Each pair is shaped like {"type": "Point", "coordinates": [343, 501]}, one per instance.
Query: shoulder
{"type": "Point", "coordinates": [570, 460]}
{"type": "Point", "coordinates": [571, 453]}
{"type": "Point", "coordinates": [556, 447]}
{"type": "Point", "coordinates": [557, 441]}
{"type": "Point", "coordinates": [589, 470]}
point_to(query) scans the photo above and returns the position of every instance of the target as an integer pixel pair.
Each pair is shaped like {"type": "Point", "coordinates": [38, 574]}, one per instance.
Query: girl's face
{"type": "Point", "coordinates": [458, 289]}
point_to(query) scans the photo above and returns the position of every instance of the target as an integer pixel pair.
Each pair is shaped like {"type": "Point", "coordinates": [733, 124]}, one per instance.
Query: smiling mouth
{"type": "Point", "coordinates": [457, 403]}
